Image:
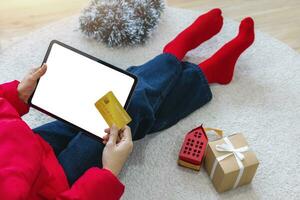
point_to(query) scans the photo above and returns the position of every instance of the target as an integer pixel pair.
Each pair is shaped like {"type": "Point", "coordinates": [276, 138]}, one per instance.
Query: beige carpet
{"type": "Point", "coordinates": [263, 102]}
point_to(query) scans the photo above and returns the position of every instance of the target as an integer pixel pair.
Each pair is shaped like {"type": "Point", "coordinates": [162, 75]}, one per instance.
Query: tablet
{"type": "Point", "coordinates": [74, 81]}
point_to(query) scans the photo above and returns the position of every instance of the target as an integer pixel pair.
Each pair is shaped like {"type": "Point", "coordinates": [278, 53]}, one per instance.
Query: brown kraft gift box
{"type": "Point", "coordinates": [230, 162]}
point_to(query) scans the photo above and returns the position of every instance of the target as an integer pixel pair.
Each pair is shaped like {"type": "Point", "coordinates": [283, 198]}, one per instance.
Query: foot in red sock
{"type": "Point", "coordinates": [220, 67]}
{"type": "Point", "coordinates": [205, 27]}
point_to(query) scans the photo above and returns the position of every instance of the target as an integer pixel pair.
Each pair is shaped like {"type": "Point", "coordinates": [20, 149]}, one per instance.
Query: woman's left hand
{"type": "Point", "coordinates": [28, 84]}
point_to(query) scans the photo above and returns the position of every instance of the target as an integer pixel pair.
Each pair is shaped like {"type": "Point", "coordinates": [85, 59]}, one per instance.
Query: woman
{"type": "Point", "coordinates": [168, 90]}
{"type": "Point", "coordinates": [29, 168]}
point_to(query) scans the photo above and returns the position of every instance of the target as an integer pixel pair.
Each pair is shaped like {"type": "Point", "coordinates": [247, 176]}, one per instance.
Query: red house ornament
{"type": "Point", "coordinates": [193, 149]}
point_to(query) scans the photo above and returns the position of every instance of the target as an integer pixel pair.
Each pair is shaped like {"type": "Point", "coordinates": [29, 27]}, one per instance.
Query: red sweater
{"type": "Point", "coordinates": [29, 168]}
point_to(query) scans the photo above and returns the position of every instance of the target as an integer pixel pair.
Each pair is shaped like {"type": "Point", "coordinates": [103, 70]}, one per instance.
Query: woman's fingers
{"type": "Point", "coordinates": [120, 135]}
{"type": "Point", "coordinates": [119, 138]}
{"type": "Point", "coordinates": [113, 136]}
{"type": "Point", "coordinates": [40, 72]}
{"type": "Point", "coordinates": [127, 134]}
{"type": "Point", "coordinates": [105, 139]}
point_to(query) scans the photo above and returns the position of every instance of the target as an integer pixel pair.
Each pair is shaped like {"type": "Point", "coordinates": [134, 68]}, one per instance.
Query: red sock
{"type": "Point", "coordinates": [220, 67]}
{"type": "Point", "coordinates": [205, 27]}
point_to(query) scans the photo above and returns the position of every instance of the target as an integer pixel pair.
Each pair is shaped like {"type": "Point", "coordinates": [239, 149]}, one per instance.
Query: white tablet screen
{"type": "Point", "coordinates": [72, 85]}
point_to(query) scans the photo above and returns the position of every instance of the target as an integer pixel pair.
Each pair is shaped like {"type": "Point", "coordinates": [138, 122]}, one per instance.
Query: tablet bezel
{"type": "Point", "coordinates": [90, 57]}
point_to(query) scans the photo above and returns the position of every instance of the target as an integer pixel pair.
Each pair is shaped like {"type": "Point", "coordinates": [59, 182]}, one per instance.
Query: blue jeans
{"type": "Point", "coordinates": [167, 91]}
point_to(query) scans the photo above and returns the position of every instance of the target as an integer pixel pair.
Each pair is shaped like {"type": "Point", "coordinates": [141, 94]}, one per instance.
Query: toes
{"type": "Point", "coordinates": [216, 11]}
{"type": "Point", "coordinates": [247, 22]}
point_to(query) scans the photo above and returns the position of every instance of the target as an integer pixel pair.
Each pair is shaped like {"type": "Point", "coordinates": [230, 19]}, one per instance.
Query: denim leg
{"type": "Point", "coordinates": [58, 134]}
{"type": "Point", "coordinates": [155, 80]}
{"type": "Point", "coordinates": [188, 90]}
{"type": "Point", "coordinates": [190, 93]}
{"type": "Point", "coordinates": [82, 153]}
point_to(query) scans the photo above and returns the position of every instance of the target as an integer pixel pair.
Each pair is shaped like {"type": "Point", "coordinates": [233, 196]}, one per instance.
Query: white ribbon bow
{"type": "Point", "coordinates": [228, 147]}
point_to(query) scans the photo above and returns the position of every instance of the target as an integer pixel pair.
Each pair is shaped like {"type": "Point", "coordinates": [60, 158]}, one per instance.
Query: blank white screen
{"type": "Point", "coordinates": [72, 85]}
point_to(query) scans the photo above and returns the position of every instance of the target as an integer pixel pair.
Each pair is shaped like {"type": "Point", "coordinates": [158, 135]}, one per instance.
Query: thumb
{"type": "Point", "coordinates": [127, 134]}
{"type": "Point", "coordinates": [40, 71]}
{"type": "Point", "coordinates": [113, 136]}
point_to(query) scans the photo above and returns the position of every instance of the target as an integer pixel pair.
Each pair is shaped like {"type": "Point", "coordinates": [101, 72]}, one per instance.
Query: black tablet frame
{"type": "Point", "coordinates": [90, 57]}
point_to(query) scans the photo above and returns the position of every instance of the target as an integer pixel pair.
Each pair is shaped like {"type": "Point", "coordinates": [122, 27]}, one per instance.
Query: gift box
{"type": "Point", "coordinates": [230, 162]}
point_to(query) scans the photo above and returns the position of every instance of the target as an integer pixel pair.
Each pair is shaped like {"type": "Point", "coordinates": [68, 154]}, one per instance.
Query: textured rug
{"type": "Point", "coordinates": [263, 102]}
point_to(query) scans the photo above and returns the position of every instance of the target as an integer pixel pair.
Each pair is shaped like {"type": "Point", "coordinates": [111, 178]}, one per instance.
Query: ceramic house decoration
{"type": "Point", "coordinates": [193, 149]}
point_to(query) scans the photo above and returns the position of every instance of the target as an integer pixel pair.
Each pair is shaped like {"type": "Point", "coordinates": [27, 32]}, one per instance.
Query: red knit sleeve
{"type": "Point", "coordinates": [95, 184]}
{"type": "Point", "coordinates": [9, 92]}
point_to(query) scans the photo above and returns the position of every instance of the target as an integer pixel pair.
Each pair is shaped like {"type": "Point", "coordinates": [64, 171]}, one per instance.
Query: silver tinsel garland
{"type": "Point", "coordinates": [120, 23]}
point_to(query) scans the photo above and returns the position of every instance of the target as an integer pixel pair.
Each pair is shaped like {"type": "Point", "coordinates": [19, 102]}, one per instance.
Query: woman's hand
{"type": "Point", "coordinates": [118, 147]}
{"type": "Point", "coordinates": [28, 84]}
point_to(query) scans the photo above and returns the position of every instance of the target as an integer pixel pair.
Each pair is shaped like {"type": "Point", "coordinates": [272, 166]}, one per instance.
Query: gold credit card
{"type": "Point", "coordinates": [112, 111]}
